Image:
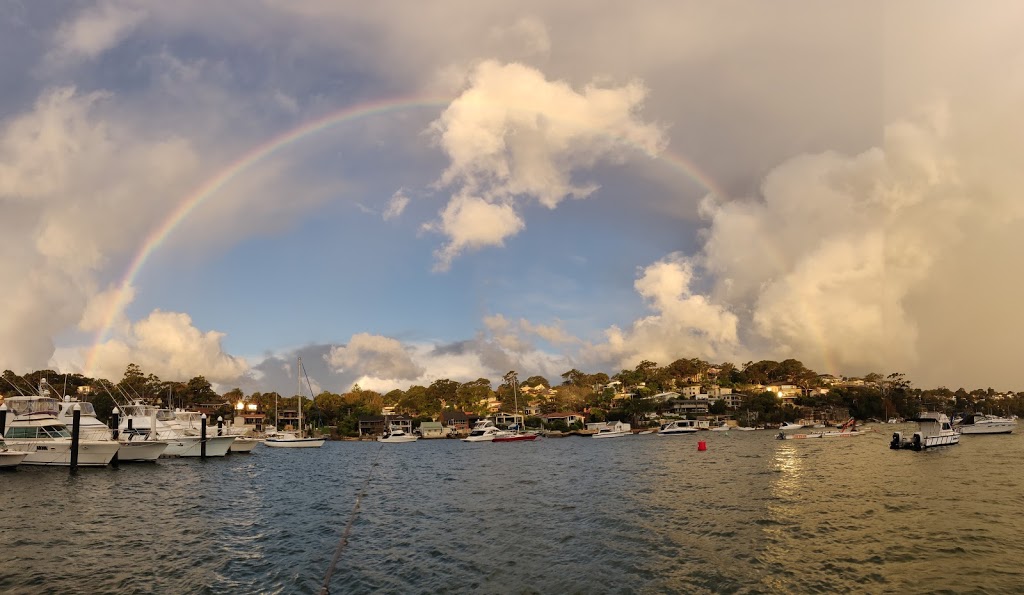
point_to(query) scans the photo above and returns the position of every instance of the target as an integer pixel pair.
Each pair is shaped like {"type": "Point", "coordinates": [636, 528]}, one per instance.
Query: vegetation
{"type": "Point", "coordinates": [625, 395]}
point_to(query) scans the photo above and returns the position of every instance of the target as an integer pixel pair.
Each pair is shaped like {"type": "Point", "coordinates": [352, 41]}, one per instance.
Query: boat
{"type": "Point", "coordinates": [744, 428]}
{"type": "Point", "coordinates": [846, 430]}
{"type": "Point", "coordinates": [35, 430]}
{"type": "Point", "coordinates": [293, 440]}
{"type": "Point", "coordinates": [180, 430]}
{"type": "Point", "coordinates": [723, 427]}
{"type": "Point", "coordinates": [515, 433]}
{"type": "Point", "coordinates": [485, 431]}
{"type": "Point", "coordinates": [786, 425]}
{"type": "Point", "coordinates": [92, 428]}
{"type": "Point", "coordinates": [610, 430]}
{"type": "Point", "coordinates": [10, 458]}
{"type": "Point", "coordinates": [396, 435]}
{"type": "Point", "coordinates": [986, 424]}
{"type": "Point", "coordinates": [679, 426]}
{"type": "Point", "coordinates": [934, 429]}
{"type": "Point", "coordinates": [243, 443]}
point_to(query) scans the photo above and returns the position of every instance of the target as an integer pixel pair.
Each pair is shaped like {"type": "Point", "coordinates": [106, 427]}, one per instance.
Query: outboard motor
{"type": "Point", "coordinates": [897, 441]}
{"type": "Point", "coordinates": [917, 440]}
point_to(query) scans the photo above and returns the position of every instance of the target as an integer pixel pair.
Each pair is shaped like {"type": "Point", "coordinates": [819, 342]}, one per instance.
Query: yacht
{"type": "Point", "coordinates": [787, 425]}
{"type": "Point", "coordinates": [934, 429]}
{"type": "Point", "coordinates": [396, 435]}
{"type": "Point", "coordinates": [680, 426]}
{"type": "Point", "coordinates": [610, 430]}
{"type": "Point", "coordinates": [93, 429]}
{"type": "Point", "coordinates": [986, 424]}
{"type": "Point", "coordinates": [147, 422]}
{"type": "Point", "coordinates": [36, 430]}
{"type": "Point", "coordinates": [10, 458]}
{"type": "Point", "coordinates": [485, 431]}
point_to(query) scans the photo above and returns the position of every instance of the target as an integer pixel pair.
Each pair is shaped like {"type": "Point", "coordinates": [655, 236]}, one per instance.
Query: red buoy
{"type": "Point", "coordinates": [702, 446]}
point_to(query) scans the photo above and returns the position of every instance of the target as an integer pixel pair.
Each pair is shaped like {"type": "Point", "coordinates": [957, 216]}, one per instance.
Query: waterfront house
{"type": "Point", "coordinates": [568, 418]}
{"type": "Point", "coordinates": [457, 422]}
{"type": "Point", "coordinates": [372, 425]}
{"type": "Point", "coordinates": [502, 419]}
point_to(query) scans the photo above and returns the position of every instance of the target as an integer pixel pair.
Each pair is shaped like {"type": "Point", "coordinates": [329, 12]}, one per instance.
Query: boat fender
{"type": "Point", "coordinates": [897, 439]}
{"type": "Point", "coordinates": [917, 441]}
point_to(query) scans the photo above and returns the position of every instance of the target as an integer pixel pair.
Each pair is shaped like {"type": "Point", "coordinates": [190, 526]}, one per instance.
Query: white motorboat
{"type": "Point", "coordinates": [142, 422]}
{"type": "Point", "coordinates": [36, 430]}
{"type": "Point", "coordinates": [243, 444]}
{"type": "Point", "coordinates": [679, 426]}
{"type": "Point", "coordinates": [786, 425]}
{"type": "Point", "coordinates": [485, 431]}
{"type": "Point", "coordinates": [723, 427]}
{"type": "Point", "coordinates": [397, 435]}
{"type": "Point", "coordinates": [846, 430]}
{"type": "Point", "coordinates": [10, 458]}
{"type": "Point", "coordinates": [610, 430]}
{"type": "Point", "coordinates": [986, 424]}
{"type": "Point", "coordinates": [292, 440]}
{"type": "Point", "coordinates": [90, 427]}
{"type": "Point", "coordinates": [934, 429]}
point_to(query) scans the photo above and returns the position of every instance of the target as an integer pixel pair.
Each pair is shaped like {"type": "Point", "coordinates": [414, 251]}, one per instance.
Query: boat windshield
{"type": "Point", "coordinates": [30, 405]}
{"type": "Point", "coordinates": [165, 415]}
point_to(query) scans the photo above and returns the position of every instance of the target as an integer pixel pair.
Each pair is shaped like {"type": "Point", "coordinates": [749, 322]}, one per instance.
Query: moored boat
{"type": "Point", "coordinates": [986, 424]}
{"type": "Point", "coordinates": [610, 430]}
{"type": "Point", "coordinates": [679, 426]}
{"type": "Point", "coordinates": [934, 429]}
{"type": "Point", "coordinates": [36, 430]}
{"type": "Point", "coordinates": [396, 435]}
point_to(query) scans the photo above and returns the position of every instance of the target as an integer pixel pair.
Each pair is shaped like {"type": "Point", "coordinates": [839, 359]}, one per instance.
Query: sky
{"type": "Point", "coordinates": [403, 192]}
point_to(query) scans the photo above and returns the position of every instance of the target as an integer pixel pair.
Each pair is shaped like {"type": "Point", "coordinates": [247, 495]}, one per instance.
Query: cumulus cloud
{"type": "Point", "coordinates": [374, 355]}
{"type": "Point", "coordinates": [93, 31]}
{"type": "Point", "coordinates": [513, 135]}
{"type": "Point", "coordinates": [168, 345]}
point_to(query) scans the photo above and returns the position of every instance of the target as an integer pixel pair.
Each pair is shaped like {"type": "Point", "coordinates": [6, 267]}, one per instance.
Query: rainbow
{"type": "Point", "coordinates": [214, 184]}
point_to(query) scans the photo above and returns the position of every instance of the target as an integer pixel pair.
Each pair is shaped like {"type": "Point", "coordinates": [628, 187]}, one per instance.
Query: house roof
{"type": "Point", "coordinates": [454, 416]}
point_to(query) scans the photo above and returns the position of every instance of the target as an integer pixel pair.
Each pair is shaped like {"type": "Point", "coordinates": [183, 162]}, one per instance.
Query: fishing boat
{"type": "Point", "coordinates": [93, 429]}
{"type": "Point", "coordinates": [934, 429]}
{"type": "Point", "coordinates": [296, 440]}
{"type": "Point", "coordinates": [36, 430]}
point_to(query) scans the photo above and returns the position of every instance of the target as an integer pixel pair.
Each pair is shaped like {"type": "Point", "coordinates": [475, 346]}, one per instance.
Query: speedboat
{"type": "Point", "coordinates": [986, 424]}
{"type": "Point", "coordinates": [786, 425]}
{"type": "Point", "coordinates": [36, 430]}
{"type": "Point", "coordinates": [610, 430]}
{"type": "Point", "coordinates": [679, 426]}
{"type": "Point", "coordinates": [846, 430]}
{"type": "Point", "coordinates": [396, 435]}
{"type": "Point", "coordinates": [934, 429]}
{"type": "Point", "coordinates": [485, 431]}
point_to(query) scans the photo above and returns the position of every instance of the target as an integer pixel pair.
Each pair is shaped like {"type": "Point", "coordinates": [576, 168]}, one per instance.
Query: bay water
{"type": "Point", "coordinates": [638, 514]}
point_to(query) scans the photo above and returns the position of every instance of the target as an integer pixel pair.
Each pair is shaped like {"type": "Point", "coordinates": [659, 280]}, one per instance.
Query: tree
{"type": "Point", "coordinates": [535, 380]}
{"type": "Point", "coordinates": [198, 390]}
{"type": "Point", "coordinates": [573, 377]}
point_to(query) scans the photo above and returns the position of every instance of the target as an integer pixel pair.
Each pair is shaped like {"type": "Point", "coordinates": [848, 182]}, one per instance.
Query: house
{"type": "Point", "coordinates": [433, 429]}
{"type": "Point", "coordinates": [690, 392]}
{"type": "Point", "coordinates": [371, 425]}
{"type": "Point", "coordinates": [502, 419]}
{"type": "Point", "coordinates": [690, 407]}
{"type": "Point", "coordinates": [288, 420]}
{"type": "Point", "coordinates": [457, 422]}
{"type": "Point", "coordinates": [568, 418]}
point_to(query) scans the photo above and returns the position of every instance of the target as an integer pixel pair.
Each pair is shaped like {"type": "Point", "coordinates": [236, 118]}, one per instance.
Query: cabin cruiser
{"type": "Point", "coordinates": [680, 426]}
{"type": "Point", "coordinates": [786, 425]}
{"type": "Point", "coordinates": [93, 429]}
{"type": "Point", "coordinates": [610, 430]}
{"type": "Point", "coordinates": [977, 423]}
{"type": "Point", "coordinates": [934, 429]}
{"type": "Point", "coordinates": [396, 434]}
{"type": "Point", "coordinates": [10, 458]}
{"type": "Point", "coordinates": [485, 431]}
{"type": "Point", "coordinates": [147, 422]}
{"type": "Point", "coordinates": [36, 430]}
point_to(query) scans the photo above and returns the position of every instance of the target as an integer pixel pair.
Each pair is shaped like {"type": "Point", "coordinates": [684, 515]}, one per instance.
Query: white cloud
{"type": "Point", "coordinates": [513, 135]}
{"type": "Point", "coordinates": [396, 205]}
{"type": "Point", "coordinates": [94, 31]}
{"type": "Point", "coordinates": [168, 345]}
{"type": "Point", "coordinates": [374, 355]}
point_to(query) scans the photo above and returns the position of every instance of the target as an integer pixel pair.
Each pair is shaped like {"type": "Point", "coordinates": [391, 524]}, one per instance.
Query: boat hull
{"type": "Point", "coordinates": [611, 434]}
{"type": "Point", "coordinates": [398, 439]}
{"type": "Point", "coordinates": [192, 446]}
{"type": "Point", "coordinates": [518, 438]}
{"type": "Point", "coordinates": [243, 445]}
{"type": "Point", "coordinates": [812, 435]}
{"type": "Point", "coordinates": [995, 428]}
{"type": "Point", "coordinates": [679, 431]}
{"type": "Point", "coordinates": [140, 451]}
{"type": "Point", "coordinates": [294, 442]}
{"type": "Point", "coordinates": [91, 453]}
{"type": "Point", "coordinates": [11, 458]}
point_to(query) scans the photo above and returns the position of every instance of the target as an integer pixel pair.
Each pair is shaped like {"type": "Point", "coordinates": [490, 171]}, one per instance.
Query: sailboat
{"type": "Point", "coordinates": [516, 433]}
{"type": "Point", "coordinates": [290, 440]}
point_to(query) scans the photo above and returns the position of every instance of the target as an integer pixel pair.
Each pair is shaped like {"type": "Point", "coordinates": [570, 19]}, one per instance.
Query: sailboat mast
{"type": "Point", "coordinates": [298, 374]}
